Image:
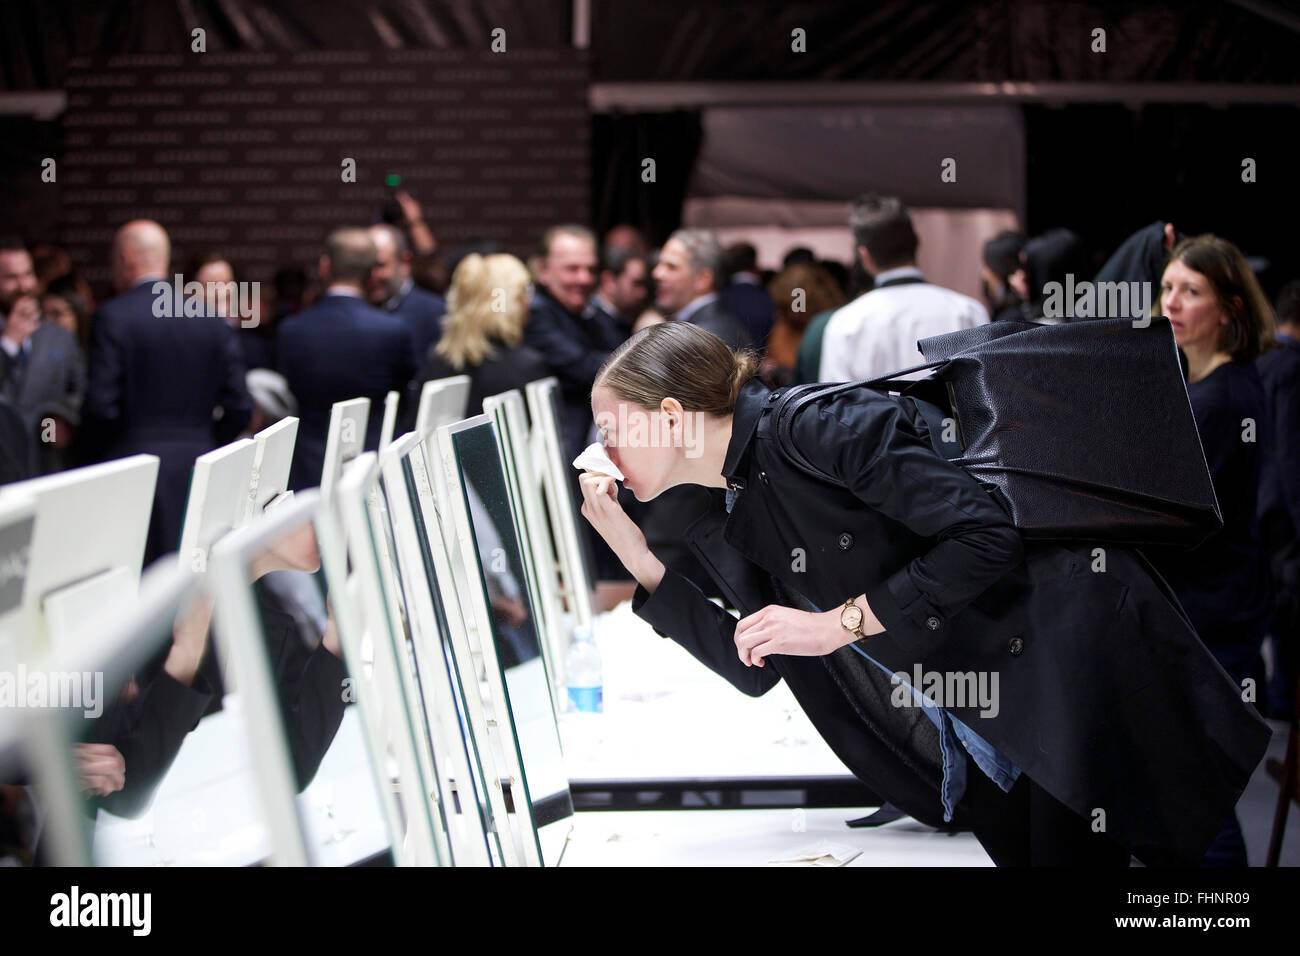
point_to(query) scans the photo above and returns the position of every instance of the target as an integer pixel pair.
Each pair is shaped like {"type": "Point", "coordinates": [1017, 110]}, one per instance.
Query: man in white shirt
{"type": "Point", "coordinates": [876, 333]}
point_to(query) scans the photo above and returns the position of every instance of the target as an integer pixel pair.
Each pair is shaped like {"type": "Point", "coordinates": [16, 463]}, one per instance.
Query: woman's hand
{"type": "Point", "coordinates": [510, 610]}
{"type": "Point", "coordinates": [101, 769]}
{"type": "Point", "coordinates": [778, 629]}
{"type": "Point", "coordinates": [601, 508]}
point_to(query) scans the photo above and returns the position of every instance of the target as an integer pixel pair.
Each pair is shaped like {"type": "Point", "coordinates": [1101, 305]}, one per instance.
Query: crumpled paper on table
{"type": "Point", "coordinates": [593, 458]}
{"type": "Point", "coordinates": [821, 854]}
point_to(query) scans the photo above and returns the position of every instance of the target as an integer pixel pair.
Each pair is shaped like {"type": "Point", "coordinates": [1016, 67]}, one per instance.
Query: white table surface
{"type": "Point", "coordinates": [668, 717]}
{"type": "Point", "coordinates": [205, 813]}
{"type": "Point", "coordinates": [753, 838]}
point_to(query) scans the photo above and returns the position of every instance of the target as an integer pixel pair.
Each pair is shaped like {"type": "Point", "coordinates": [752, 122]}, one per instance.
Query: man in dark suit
{"type": "Point", "coordinates": [744, 295]}
{"type": "Point", "coordinates": [42, 369]}
{"type": "Point", "coordinates": [686, 284]}
{"type": "Point", "coordinates": [391, 288]}
{"type": "Point", "coordinates": [574, 346]}
{"type": "Point", "coordinates": [574, 340]}
{"type": "Point", "coordinates": [621, 290]}
{"type": "Point", "coordinates": [159, 383]}
{"type": "Point", "coordinates": [341, 348]}
{"type": "Point", "coordinates": [43, 375]}
{"type": "Point", "coordinates": [17, 273]}
{"type": "Point", "coordinates": [17, 279]}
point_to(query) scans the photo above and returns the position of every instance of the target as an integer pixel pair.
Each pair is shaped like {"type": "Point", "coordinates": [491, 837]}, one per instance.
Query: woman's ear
{"type": "Point", "coordinates": [672, 412]}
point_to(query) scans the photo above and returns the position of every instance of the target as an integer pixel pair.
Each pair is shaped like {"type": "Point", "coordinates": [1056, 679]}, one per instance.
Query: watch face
{"type": "Point", "coordinates": [851, 617]}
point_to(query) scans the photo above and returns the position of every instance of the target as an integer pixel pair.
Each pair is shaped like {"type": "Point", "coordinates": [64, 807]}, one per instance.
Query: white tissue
{"type": "Point", "coordinates": [593, 458]}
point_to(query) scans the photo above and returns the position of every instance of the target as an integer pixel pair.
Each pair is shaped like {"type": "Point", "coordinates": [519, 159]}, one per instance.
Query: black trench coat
{"type": "Point", "coordinates": [1108, 700]}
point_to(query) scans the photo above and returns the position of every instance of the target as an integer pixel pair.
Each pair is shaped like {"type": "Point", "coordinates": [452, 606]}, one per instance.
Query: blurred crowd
{"type": "Point", "coordinates": [86, 377]}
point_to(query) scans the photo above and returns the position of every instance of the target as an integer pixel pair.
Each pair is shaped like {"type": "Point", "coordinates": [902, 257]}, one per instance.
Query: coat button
{"type": "Point", "coordinates": [846, 541]}
{"type": "Point", "coordinates": [1016, 646]}
{"type": "Point", "coordinates": [762, 476]}
{"type": "Point", "coordinates": [932, 622]}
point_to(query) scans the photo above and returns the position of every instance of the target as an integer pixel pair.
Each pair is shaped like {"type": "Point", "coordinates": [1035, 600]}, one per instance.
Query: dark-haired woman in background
{"type": "Point", "coordinates": [798, 292]}
{"type": "Point", "coordinates": [1223, 322]}
{"type": "Point", "coordinates": [221, 295]}
{"type": "Point", "coordinates": [63, 303]}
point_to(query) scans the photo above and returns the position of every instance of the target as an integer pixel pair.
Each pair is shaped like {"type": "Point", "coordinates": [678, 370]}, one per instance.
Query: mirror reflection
{"type": "Point", "coordinates": [168, 772]}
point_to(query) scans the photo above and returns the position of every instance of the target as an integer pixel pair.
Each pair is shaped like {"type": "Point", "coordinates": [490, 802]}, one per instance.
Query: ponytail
{"type": "Point", "coordinates": [746, 368]}
{"type": "Point", "coordinates": [682, 360]}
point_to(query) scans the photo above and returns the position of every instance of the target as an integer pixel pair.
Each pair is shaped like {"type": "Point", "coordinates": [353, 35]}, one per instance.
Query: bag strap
{"type": "Point", "coordinates": [795, 398]}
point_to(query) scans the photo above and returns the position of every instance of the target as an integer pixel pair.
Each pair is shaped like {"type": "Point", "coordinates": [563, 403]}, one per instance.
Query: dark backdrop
{"type": "Point", "coordinates": [1105, 171]}
{"type": "Point", "coordinates": [242, 152]}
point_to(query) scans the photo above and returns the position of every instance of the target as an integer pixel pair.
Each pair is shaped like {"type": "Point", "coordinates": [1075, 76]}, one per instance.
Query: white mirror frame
{"type": "Point", "coordinates": [554, 474]}
{"type": "Point", "coordinates": [536, 544]}
{"type": "Point", "coordinates": [218, 499]}
{"type": "Point", "coordinates": [482, 636]}
{"type": "Point", "coordinates": [340, 447]}
{"type": "Point", "coordinates": [383, 695]}
{"type": "Point", "coordinates": [442, 401]}
{"type": "Point", "coordinates": [271, 464]}
{"type": "Point", "coordinates": [389, 424]}
{"type": "Point", "coordinates": [485, 732]}
{"type": "Point", "coordinates": [472, 832]}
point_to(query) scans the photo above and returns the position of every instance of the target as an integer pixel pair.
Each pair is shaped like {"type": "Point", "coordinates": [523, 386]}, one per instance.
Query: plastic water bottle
{"type": "Point", "coordinates": [582, 665]}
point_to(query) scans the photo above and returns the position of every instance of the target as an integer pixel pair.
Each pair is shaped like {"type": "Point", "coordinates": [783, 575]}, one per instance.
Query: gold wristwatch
{"type": "Point", "coordinates": [851, 617]}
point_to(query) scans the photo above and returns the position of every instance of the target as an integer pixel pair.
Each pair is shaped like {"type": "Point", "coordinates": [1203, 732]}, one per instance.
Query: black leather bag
{"type": "Point", "coordinates": [1081, 430]}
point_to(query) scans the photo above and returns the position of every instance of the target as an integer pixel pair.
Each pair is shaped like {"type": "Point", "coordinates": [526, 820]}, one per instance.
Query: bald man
{"type": "Point", "coordinates": [169, 386]}
{"type": "Point", "coordinates": [340, 348]}
{"type": "Point", "coordinates": [391, 288]}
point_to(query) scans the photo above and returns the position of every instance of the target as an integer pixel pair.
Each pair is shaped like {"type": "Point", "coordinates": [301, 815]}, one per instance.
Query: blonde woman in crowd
{"type": "Point", "coordinates": [483, 332]}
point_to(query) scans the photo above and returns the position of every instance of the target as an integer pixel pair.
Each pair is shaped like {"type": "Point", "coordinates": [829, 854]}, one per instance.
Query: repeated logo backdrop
{"type": "Point", "coordinates": [242, 153]}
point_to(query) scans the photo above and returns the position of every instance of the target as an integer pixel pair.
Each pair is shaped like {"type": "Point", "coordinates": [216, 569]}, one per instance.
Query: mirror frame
{"type": "Point", "coordinates": [424, 842]}
{"type": "Point", "coordinates": [532, 525]}
{"type": "Point", "coordinates": [575, 584]}
{"type": "Point", "coordinates": [438, 644]}
{"type": "Point", "coordinates": [482, 630]}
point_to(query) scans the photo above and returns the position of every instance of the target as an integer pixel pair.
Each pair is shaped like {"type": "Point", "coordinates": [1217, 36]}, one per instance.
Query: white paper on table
{"type": "Point", "coordinates": [593, 458]}
{"type": "Point", "coordinates": [822, 854]}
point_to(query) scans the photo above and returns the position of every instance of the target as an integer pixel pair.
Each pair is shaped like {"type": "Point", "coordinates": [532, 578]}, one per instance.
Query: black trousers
{"type": "Point", "coordinates": [1027, 826]}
